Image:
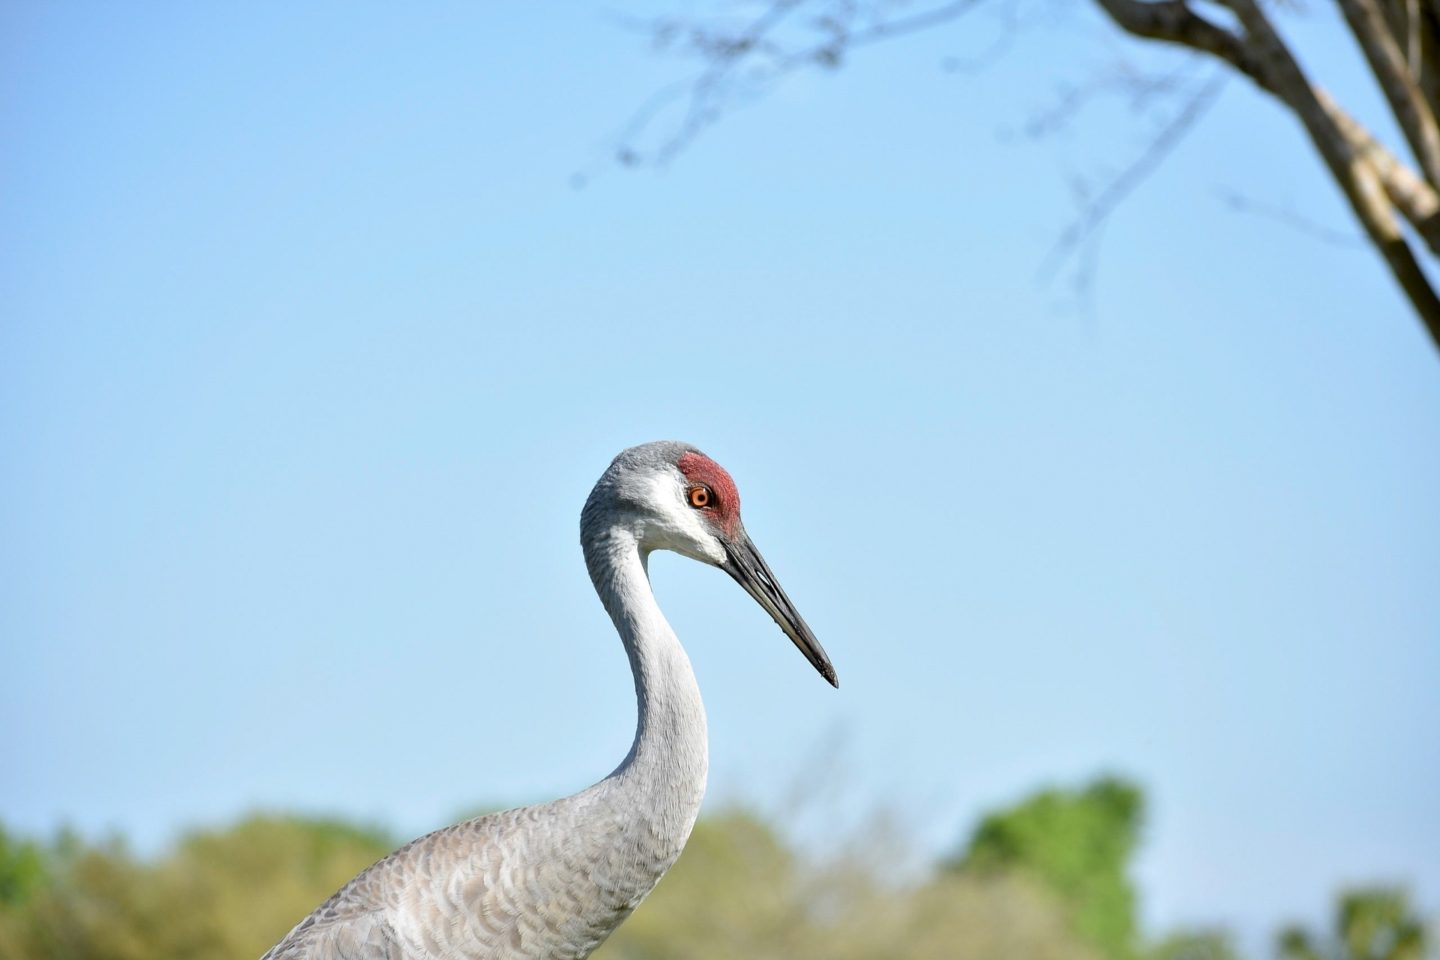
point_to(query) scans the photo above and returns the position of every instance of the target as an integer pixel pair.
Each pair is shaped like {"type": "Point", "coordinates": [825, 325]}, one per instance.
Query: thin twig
{"type": "Point", "coordinates": [1095, 211]}
{"type": "Point", "coordinates": [713, 90]}
{"type": "Point", "coordinates": [1290, 218]}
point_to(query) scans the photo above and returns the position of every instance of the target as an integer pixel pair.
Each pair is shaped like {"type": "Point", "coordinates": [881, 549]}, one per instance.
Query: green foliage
{"type": "Point", "coordinates": [1194, 945]}
{"type": "Point", "coordinates": [1374, 923]}
{"type": "Point", "coordinates": [739, 891]}
{"type": "Point", "coordinates": [1027, 880]}
{"type": "Point", "coordinates": [220, 894]}
{"type": "Point", "coordinates": [732, 890]}
{"type": "Point", "coordinates": [1078, 843]}
{"type": "Point", "coordinates": [22, 869]}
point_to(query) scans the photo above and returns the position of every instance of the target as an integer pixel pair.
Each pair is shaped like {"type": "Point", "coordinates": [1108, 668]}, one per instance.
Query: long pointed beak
{"type": "Point", "coordinates": [744, 563]}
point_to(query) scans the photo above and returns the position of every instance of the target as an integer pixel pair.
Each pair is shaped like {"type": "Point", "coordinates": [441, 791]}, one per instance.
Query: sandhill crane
{"type": "Point", "coordinates": [550, 882]}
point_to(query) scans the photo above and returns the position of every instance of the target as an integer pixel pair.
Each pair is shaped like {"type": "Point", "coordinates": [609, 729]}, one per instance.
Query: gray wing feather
{"type": "Point", "coordinates": [367, 936]}
{"type": "Point", "coordinates": [447, 894]}
{"type": "Point", "coordinates": [357, 923]}
{"type": "Point", "coordinates": [547, 882]}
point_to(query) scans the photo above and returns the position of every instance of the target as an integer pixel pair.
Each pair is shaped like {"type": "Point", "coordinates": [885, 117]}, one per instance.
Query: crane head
{"type": "Point", "coordinates": [673, 497]}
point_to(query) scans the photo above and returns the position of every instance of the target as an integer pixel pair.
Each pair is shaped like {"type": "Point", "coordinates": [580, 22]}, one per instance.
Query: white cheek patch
{"type": "Point", "coordinates": [711, 549]}
{"type": "Point", "coordinates": [682, 527]}
{"type": "Point", "coordinates": [662, 496]}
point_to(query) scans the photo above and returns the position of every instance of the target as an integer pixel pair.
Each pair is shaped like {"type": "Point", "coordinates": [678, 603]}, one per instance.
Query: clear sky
{"type": "Point", "coordinates": [311, 350]}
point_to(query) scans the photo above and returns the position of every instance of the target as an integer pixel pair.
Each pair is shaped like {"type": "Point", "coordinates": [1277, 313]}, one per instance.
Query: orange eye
{"type": "Point", "coordinates": [700, 497]}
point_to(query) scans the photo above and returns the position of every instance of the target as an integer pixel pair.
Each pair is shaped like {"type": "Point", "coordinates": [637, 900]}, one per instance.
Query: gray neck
{"type": "Point", "coordinates": [664, 773]}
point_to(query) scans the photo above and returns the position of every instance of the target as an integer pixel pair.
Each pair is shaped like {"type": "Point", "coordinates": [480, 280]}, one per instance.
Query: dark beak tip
{"type": "Point", "coordinates": [745, 565]}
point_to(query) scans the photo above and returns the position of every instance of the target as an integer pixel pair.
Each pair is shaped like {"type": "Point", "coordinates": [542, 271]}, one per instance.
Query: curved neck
{"type": "Point", "coordinates": [670, 753]}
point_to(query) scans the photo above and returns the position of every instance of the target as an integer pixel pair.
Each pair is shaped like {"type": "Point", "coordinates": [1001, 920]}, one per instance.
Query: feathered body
{"type": "Point", "coordinates": [551, 881]}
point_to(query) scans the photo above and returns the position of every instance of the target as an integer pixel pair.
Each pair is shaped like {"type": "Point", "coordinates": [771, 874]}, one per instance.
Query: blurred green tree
{"type": "Point", "coordinates": [1193, 945]}
{"type": "Point", "coordinates": [739, 890]}
{"type": "Point", "coordinates": [1373, 923]}
{"type": "Point", "coordinates": [22, 868]}
{"type": "Point", "coordinates": [221, 894]}
{"type": "Point", "coordinates": [1042, 880]}
{"type": "Point", "coordinates": [732, 893]}
{"type": "Point", "coordinates": [1078, 843]}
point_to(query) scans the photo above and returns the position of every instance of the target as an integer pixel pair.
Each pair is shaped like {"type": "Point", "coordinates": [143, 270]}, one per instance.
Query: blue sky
{"type": "Point", "coordinates": [312, 351]}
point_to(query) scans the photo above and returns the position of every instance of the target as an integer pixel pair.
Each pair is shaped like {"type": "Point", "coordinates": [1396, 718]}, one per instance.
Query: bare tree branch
{"type": "Point", "coordinates": [1262, 55]}
{"type": "Point", "coordinates": [1416, 200]}
{"type": "Point", "coordinates": [890, 29]}
{"type": "Point", "coordinates": [1396, 202]}
{"type": "Point", "coordinates": [1416, 28]}
{"type": "Point", "coordinates": [727, 52]}
{"type": "Point", "coordinates": [1401, 87]}
{"type": "Point", "coordinates": [1174, 22]}
{"type": "Point", "coordinates": [747, 51]}
{"type": "Point", "coordinates": [1293, 219]}
{"type": "Point", "coordinates": [1358, 179]}
{"type": "Point", "coordinates": [1096, 210]}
